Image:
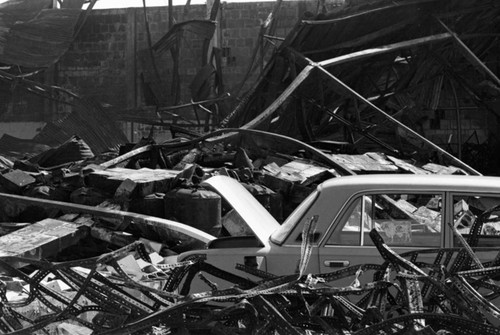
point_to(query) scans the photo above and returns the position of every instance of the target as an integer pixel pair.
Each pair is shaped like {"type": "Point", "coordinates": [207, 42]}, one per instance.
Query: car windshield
{"type": "Point", "coordinates": [281, 234]}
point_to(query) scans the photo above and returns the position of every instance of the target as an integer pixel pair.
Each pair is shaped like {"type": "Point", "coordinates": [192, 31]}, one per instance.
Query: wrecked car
{"type": "Point", "coordinates": [409, 212]}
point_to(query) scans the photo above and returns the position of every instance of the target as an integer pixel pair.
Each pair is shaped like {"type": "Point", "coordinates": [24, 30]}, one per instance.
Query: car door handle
{"type": "Point", "coordinates": [336, 264]}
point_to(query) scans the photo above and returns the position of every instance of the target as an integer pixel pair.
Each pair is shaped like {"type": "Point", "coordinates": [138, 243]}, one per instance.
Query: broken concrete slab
{"type": "Point", "coordinates": [307, 171]}
{"type": "Point", "coordinates": [147, 181]}
{"type": "Point", "coordinates": [40, 240]}
{"type": "Point", "coordinates": [9, 227]}
{"type": "Point", "coordinates": [16, 181]}
{"type": "Point", "coordinates": [368, 162]}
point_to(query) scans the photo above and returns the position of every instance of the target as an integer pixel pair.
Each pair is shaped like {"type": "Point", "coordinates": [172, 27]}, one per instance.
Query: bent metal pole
{"type": "Point", "coordinates": [402, 125]}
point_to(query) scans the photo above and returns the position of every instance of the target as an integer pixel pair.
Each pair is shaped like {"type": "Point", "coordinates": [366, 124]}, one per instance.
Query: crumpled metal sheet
{"type": "Point", "coordinates": [402, 296]}
{"type": "Point", "coordinates": [34, 35]}
{"type": "Point", "coordinates": [90, 122]}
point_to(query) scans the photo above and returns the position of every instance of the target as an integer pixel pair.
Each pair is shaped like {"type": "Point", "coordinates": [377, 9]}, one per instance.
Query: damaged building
{"type": "Point", "coordinates": [142, 148]}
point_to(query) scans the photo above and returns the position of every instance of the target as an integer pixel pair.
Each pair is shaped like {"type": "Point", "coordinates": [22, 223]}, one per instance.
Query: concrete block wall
{"type": "Point", "coordinates": [95, 65]}
{"type": "Point", "coordinates": [111, 52]}
{"type": "Point", "coordinates": [18, 105]}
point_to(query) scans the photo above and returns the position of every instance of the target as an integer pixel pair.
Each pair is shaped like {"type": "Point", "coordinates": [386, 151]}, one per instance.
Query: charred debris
{"type": "Point", "coordinates": [90, 223]}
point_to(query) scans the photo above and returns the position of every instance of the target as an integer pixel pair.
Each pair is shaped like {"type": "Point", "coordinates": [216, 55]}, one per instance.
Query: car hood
{"type": "Point", "coordinates": [251, 211]}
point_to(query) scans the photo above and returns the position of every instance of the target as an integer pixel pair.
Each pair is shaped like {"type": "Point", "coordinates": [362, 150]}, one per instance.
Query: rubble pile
{"type": "Point", "coordinates": [89, 242]}
{"type": "Point", "coordinates": [64, 209]}
{"type": "Point", "coordinates": [133, 290]}
{"type": "Point", "coordinates": [164, 180]}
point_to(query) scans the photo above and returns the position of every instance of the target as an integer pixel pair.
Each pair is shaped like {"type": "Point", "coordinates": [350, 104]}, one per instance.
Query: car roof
{"type": "Point", "coordinates": [415, 182]}
{"type": "Point", "coordinates": [342, 188]}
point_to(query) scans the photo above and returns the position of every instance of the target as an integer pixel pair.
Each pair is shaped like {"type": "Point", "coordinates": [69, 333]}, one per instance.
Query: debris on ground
{"type": "Point", "coordinates": [93, 241]}
{"type": "Point", "coordinates": [134, 290]}
{"type": "Point", "coordinates": [90, 225]}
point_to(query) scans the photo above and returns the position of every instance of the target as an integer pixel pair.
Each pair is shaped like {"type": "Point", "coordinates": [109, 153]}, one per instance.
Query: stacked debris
{"type": "Point", "coordinates": [163, 180]}
{"type": "Point", "coordinates": [64, 209]}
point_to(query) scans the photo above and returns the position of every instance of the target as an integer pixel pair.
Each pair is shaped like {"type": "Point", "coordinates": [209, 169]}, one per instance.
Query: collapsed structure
{"type": "Point", "coordinates": [343, 94]}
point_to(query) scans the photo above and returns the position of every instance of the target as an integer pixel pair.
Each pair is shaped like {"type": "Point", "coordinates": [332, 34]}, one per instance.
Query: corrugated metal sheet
{"type": "Point", "coordinates": [18, 148]}
{"type": "Point", "coordinates": [34, 35]}
{"type": "Point", "coordinates": [88, 121]}
{"type": "Point", "coordinates": [372, 73]}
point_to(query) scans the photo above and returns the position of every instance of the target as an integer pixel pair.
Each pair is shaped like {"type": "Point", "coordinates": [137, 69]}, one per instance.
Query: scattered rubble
{"type": "Point", "coordinates": [147, 205]}
{"type": "Point", "coordinates": [134, 290]}
{"type": "Point", "coordinates": [89, 237]}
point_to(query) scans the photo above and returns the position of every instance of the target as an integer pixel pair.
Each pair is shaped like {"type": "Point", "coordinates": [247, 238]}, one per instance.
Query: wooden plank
{"type": "Point", "coordinates": [126, 156]}
{"type": "Point", "coordinates": [41, 239]}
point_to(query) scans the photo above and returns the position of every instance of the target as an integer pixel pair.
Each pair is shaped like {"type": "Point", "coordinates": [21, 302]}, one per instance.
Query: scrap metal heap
{"type": "Point", "coordinates": [376, 73]}
{"type": "Point", "coordinates": [58, 273]}
{"type": "Point", "coordinates": [89, 241]}
{"type": "Point", "coordinates": [105, 294]}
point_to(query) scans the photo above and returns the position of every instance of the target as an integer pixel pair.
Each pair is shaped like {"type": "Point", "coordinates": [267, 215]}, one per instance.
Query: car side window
{"type": "Point", "coordinates": [401, 220]}
{"type": "Point", "coordinates": [467, 208]}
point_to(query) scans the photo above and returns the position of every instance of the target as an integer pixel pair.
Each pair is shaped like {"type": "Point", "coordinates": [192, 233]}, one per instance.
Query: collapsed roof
{"type": "Point", "coordinates": [35, 34]}
{"type": "Point", "coordinates": [339, 77]}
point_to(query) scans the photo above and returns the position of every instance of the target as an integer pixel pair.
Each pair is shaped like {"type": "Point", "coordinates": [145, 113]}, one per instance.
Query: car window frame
{"type": "Point", "coordinates": [345, 213]}
{"type": "Point", "coordinates": [295, 218]}
{"type": "Point", "coordinates": [451, 195]}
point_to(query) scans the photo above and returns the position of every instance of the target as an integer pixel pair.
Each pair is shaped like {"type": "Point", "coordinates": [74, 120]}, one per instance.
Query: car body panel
{"type": "Point", "coordinates": [330, 203]}
{"type": "Point", "coordinates": [250, 210]}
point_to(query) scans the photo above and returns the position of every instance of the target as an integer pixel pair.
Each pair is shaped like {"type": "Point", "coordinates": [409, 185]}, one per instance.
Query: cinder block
{"type": "Point", "coordinates": [15, 181]}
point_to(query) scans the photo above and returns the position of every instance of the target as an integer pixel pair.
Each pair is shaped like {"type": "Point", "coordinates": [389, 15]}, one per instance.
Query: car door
{"type": "Point", "coordinates": [405, 220]}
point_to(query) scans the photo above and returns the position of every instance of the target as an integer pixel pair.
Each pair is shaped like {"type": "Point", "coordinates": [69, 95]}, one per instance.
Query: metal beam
{"type": "Point", "coordinates": [470, 55]}
{"type": "Point", "coordinates": [278, 101]}
{"type": "Point", "coordinates": [383, 49]}
{"type": "Point", "coordinates": [147, 222]}
{"type": "Point", "coordinates": [356, 95]}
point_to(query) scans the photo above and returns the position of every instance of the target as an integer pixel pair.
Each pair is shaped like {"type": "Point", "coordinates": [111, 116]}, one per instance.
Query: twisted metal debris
{"type": "Point", "coordinates": [406, 294]}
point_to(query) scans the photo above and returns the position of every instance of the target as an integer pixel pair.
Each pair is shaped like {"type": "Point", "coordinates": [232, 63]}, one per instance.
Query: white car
{"type": "Point", "coordinates": [410, 212]}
